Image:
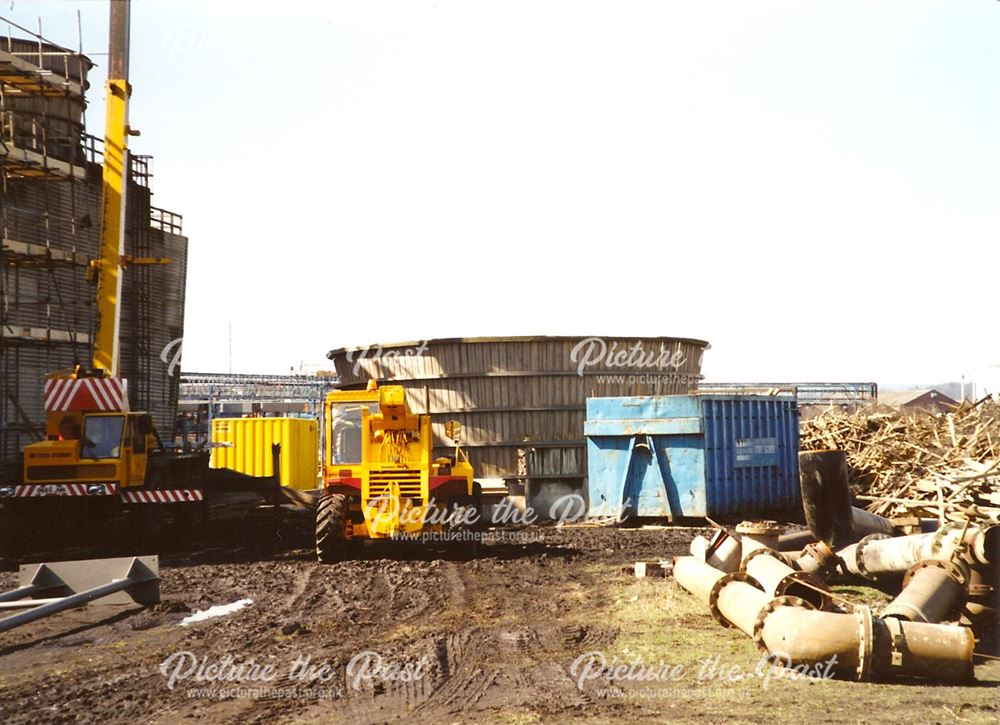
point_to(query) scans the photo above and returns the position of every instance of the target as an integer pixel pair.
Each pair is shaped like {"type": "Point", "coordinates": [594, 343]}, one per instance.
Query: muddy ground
{"type": "Point", "coordinates": [489, 639]}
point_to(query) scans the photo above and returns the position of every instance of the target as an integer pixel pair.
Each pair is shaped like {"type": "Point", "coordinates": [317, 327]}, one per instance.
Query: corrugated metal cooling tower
{"type": "Point", "coordinates": [521, 400]}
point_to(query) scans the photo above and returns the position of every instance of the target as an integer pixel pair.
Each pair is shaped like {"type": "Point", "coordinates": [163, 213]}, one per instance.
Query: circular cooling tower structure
{"type": "Point", "coordinates": [521, 401]}
{"type": "Point", "coordinates": [51, 123]}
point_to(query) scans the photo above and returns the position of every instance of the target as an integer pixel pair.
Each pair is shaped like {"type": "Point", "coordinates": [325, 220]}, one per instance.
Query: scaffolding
{"type": "Point", "coordinates": [50, 202]}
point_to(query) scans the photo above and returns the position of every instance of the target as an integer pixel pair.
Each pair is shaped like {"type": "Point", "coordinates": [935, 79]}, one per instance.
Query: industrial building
{"type": "Point", "coordinates": [928, 399]}
{"type": "Point", "coordinates": [50, 211]}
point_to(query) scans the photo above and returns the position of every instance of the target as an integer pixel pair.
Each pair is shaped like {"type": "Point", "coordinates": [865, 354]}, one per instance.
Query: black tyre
{"type": "Point", "coordinates": [331, 513]}
{"type": "Point", "coordinates": [475, 502]}
{"type": "Point", "coordinates": [468, 537]}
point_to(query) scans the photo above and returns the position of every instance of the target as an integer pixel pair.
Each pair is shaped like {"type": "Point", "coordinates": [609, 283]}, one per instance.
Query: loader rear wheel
{"type": "Point", "coordinates": [331, 513]}
{"type": "Point", "coordinates": [475, 502]}
{"type": "Point", "coordinates": [469, 545]}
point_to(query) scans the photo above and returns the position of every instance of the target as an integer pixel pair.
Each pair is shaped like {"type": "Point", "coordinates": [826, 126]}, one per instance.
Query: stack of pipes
{"type": "Point", "coordinates": [773, 588]}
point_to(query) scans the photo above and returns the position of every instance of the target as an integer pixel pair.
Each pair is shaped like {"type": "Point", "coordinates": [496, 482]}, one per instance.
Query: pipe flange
{"type": "Point", "coordinates": [859, 550]}
{"type": "Point", "coordinates": [764, 527]}
{"type": "Point", "coordinates": [776, 603]}
{"type": "Point", "coordinates": [713, 596]}
{"type": "Point", "coordinates": [866, 641]}
{"type": "Point", "coordinates": [779, 555]}
{"type": "Point", "coordinates": [809, 580]}
{"type": "Point", "coordinates": [980, 591]}
{"type": "Point", "coordinates": [954, 569]}
{"type": "Point", "coordinates": [822, 553]}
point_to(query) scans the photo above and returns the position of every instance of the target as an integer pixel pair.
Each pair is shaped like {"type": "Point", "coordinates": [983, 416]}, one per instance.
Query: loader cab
{"type": "Point", "coordinates": [344, 413]}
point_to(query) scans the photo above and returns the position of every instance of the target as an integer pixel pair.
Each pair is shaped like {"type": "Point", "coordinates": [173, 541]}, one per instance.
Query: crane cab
{"type": "Point", "coordinates": [92, 449]}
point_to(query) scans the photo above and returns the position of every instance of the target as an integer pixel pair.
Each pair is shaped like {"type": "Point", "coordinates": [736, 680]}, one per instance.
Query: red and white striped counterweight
{"type": "Point", "coordinates": [108, 395]}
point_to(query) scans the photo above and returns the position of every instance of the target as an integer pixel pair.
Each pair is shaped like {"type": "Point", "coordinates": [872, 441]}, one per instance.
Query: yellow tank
{"type": "Point", "coordinates": [247, 448]}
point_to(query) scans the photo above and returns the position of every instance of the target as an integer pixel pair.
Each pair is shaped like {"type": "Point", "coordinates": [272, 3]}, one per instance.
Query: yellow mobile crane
{"type": "Point", "coordinates": [94, 446]}
{"type": "Point", "coordinates": [380, 479]}
{"type": "Point", "coordinates": [96, 451]}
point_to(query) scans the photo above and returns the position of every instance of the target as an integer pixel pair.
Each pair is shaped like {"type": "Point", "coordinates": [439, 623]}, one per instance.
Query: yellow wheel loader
{"type": "Point", "coordinates": [380, 479]}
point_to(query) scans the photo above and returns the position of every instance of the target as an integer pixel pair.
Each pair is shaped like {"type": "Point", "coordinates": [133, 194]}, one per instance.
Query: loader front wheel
{"type": "Point", "coordinates": [331, 513]}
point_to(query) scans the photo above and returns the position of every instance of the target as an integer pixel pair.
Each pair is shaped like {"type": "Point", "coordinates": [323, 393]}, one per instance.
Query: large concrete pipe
{"type": "Point", "coordinates": [721, 551]}
{"type": "Point", "coordinates": [826, 501]}
{"type": "Point", "coordinates": [873, 557]}
{"type": "Point", "coordinates": [734, 599]}
{"type": "Point", "coordinates": [795, 541]}
{"type": "Point", "coordinates": [696, 576]}
{"type": "Point", "coordinates": [856, 645]}
{"type": "Point", "coordinates": [758, 535]}
{"type": "Point", "coordinates": [826, 498]}
{"type": "Point", "coordinates": [862, 647]}
{"type": "Point", "coordinates": [864, 523]}
{"type": "Point", "coordinates": [984, 545]}
{"type": "Point", "coordinates": [981, 607]}
{"type": "Point", "coordinates": [737, 600]}
{"type": "Point", "coordinates": [773, 571]}
{"type": "Point", "coordinates": [816, 558]}
{"type": "Point", "coordinates": [933, 591]}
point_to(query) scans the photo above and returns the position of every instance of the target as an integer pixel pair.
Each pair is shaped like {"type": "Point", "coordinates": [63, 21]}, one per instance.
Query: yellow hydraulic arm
{"type": "Point", "coordinates": [109, 265]}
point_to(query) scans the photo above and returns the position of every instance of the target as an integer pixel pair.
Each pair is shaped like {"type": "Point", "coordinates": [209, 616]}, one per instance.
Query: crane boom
{"type": "Point", "coordinates": [109, 265]}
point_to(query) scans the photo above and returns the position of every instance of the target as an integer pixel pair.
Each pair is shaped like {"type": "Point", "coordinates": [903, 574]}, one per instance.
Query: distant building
{"type": "Point", "coordinates": [923, 398]}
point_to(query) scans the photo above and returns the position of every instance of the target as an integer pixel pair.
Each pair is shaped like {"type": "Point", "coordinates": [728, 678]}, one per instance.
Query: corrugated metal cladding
{"type": "Point", "coordinates": [47, 306]}
{"type": "Point", "coordinates": [152, 314]}
{"type": "Point", "coordinates": [250, 442]}
{"type": "Point", "coordinates": [521, 400]}
{"type": "Point", "coordinates": [751, 453]}
{"type": "Point", "coordinates": [692, 455]}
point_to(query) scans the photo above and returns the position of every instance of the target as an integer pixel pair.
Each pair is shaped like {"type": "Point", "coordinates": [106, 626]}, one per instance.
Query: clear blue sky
{"type": "Point", "coordinates": [814, 187]}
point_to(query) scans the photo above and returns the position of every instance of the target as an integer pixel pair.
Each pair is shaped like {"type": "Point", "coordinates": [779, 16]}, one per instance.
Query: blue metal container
{"type": "Point", "coordinates": [681, 456]}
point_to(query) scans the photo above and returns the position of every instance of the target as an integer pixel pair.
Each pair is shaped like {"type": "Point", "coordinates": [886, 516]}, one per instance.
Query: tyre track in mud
{"type": "Point", "coordinates": [497, 634]}
{"type": "Point", "coordinates": [475, 672]}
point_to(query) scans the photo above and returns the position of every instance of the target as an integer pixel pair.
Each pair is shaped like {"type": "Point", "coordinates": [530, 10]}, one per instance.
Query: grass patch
{"type": "Point", "coordinates": [659, 622]}
{"type": "Point", "coordinates": [861, 594]}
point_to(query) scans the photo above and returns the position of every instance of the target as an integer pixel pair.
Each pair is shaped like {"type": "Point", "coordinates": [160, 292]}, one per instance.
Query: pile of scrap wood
{"type": "Point", "coordinates": [918, 463]}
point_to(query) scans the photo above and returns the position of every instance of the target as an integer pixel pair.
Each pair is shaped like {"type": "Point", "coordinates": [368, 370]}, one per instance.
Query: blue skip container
{"type": "Point", "coordinates": [688, 456]}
